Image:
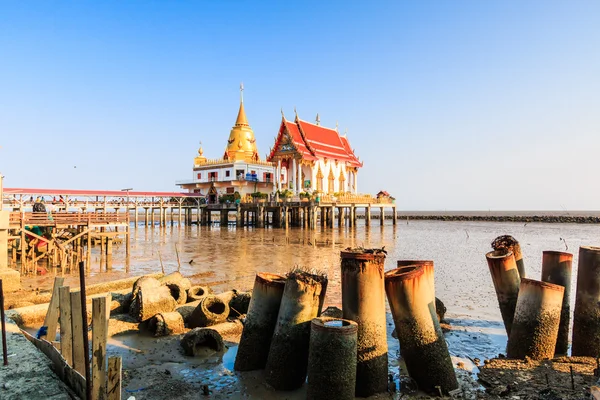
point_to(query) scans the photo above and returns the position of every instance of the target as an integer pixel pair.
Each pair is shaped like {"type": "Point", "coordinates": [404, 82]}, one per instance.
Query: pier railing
{"type": "Point", "coordinates": [51, 219]}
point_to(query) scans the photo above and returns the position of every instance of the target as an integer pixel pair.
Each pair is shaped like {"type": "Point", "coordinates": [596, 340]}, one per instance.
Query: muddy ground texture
{"type": "Point", "coordinates": [155, 368]}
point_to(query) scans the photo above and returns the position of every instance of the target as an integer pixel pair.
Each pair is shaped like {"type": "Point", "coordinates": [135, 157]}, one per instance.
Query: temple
{"type": "Point", "coordinates": [240, 170]}
{"type": "Point", "coordinates": [310, 157]}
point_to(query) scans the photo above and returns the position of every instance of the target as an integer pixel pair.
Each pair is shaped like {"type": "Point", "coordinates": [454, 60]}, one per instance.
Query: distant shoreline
{"type": "Point", "coordinates": [576, 217]}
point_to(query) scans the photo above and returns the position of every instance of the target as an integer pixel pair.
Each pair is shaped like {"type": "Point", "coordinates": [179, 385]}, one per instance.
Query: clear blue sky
{"type": "Point", "coordinates": [452, 105]}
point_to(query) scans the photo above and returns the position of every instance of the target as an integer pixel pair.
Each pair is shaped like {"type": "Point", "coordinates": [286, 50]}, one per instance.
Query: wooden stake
{"type": "Point", "coordinates": [114, 378]}
{"type": "Point", "coordinates": [66, 332]}
{"type": "Point", "coordinates": [4, 349]}
{"type": "Point", "coordinates": [162, 267]}
{"type": "Point", "coordinates": [99, 339]}
{"type": "Point", "coordinates": [178, 260]}
{"type": "Point", "coordinates": [86, 344]}
{"type": "Point", "coordinates": [77, 332]}
{"type": "Point", "coordinates": [572, 378]}
{"type": "Point", "coordinates": [51, 320]}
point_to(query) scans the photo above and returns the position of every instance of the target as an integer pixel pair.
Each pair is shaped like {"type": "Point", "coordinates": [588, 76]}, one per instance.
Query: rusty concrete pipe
{"type": "Point", "coordinates": [211, 310]}
{"type": "Point", "coordinates": [260, 322]}
{"type": "Point", "coordinates": [535, 324]}
{"type": "Point", "coordinates": [428, 270]}
{"type": "Point", "coordinates": [363, 301]}
{"type": "Point", "coordinates": [505, 276]}
{"type": "Point", "coordinates": [556, 268]}
{"type": "Point", "coordinates": [511, 244]}
{"type": "Point", "coordinates": [332, 359]}
{"type": "Point", "coordinates": [586, 318]}
{"type": "Point", "coordinates": [301, 301]}
{"type": "Point", "coordinates": [424, 348]}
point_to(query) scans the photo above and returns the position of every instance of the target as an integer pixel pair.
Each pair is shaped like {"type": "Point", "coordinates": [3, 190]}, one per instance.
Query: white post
{"type": "Point", "coordinates": [299, 177]}
{"type": "Point", "coordinates": [279, 174]}
{"type": "Point", "coordinates": [294, 175]}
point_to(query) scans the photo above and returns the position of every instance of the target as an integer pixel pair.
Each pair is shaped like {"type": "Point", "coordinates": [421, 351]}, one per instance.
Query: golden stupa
{"type": "Point", "coordinates": [241, 145]}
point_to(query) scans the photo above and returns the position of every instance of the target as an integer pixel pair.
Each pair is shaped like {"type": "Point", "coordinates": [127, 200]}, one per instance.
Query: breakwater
{"type": "Point", "coordinates": [565, 219]}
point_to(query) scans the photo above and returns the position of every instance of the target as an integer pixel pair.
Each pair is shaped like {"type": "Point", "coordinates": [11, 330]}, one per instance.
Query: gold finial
{"type": "Point", "coordinates": [318, 120]}
{"type": "Point", "coordinates": [336, 125]}
{"type": "Point", "coordinates": [241, 118]}
{"type": "Point", "coordinates": [282, 116]}
{"type": "Point", "coordinates": [241, 92]}
{"type": "Point", "coordinates": [200, 151]}
{"type": "Point", "coordinates": [295, 112]}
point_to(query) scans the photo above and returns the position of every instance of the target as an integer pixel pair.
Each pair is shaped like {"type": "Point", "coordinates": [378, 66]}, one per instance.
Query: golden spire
{"type": "Point", "coordinates": [241, 145]}
{"type": "Point", "coordinates": [200, 159]}
{"type": "Point", "coordinates": [241, 118]}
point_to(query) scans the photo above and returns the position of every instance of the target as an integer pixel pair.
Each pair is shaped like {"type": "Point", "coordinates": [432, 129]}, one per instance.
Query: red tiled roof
{"type": "Point", "coordinates": [315, 141]}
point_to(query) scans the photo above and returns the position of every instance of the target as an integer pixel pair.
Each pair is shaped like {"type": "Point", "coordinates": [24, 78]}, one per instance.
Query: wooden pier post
{"type": "Point", "coordinates": [395, 215]}
{"type": "Point", "coordinates": [77, 333]}
{"type": "Point", "coordinates": [224, 218]}
{"type": "Point", "coordinates": [66, 332]}
{"type": "Point", "coordinates": [381, 215]}
{"type": "Point", "coordinates": [368, 216]}
{"type": "Point", "coordinates": [109, 246]}
{"type": "Point", "coordinates": [332, 212]}
{"type": "Point", "coordinates": [100, 314]}
{"type": "Point", "coordinates": [146, 216]}
{"type": "Point", "coordinates": [179, 215]}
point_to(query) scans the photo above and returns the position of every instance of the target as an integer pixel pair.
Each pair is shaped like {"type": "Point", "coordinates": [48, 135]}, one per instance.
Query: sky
{"type": "Point", "coordinates": [451, 105]}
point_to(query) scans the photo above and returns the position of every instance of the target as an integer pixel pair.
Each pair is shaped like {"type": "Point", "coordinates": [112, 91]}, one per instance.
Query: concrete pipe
{"type": "Point", "coordinates": [150, 302]}
{"type": "Point", "coordinates": [537, 317]}
{"type": "Point", "coordinates": [505, 276]}
{"type": "Point", "coordinates": [196, 293]}
{"type": "Point", "coordinates": [260, 322]}
{"type": "Point", "coordinates": [511, 244]}
{"type": "Point", "coordinates": [429, 273]}
{"type": "Point", "coordinates": [332, 359]}
{"type": "Point", "coordinates": [186, 310]}
{"type": "Point", "coordinates": [199, 342]}
{"type": "Point", "coordinates": [424, 348]}
{"type": "Point", "coordinates": [210, 311]}
{"type": "Point", "coordinates": [239, 304]}
{"type": "Point", "coordinates": [363, 301]}
{"type": "Point", "coordinates": [176, 277]}
{"type": "Point", "coordinates": [288, 356]}
{"type": "Point", "coordinates": [178, 292]}
{"type": "Point", "coordinates": [586, 318]}
{"type": "Point", "coordinates": [165, 324]}
{"type": "Point", "coordinates": [556, 268]}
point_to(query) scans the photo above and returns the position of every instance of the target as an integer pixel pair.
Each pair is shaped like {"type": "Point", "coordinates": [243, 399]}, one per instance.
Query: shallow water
{"type": "Point", "coordinates": [458, 249]}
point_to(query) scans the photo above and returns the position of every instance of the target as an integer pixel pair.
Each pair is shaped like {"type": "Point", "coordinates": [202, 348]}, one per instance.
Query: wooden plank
{"type": "Point", "coordinates": [66, 333]}
{"type": "Point", "coordinates": [67, 374]}
{"type": "Point", "coordinates": [77, 331]}
{"type": "Point", "coordinates": [114, 378]}
{"type": "Point", "coordinates": [100, 316]}
{"type": "Point", "coordinates": [75, 237]}
{"type": "Point", "coordinates": [51, 320]}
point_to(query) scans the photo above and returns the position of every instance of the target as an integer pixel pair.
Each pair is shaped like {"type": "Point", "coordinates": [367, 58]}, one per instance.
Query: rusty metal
{"type": "Point", "coordinates": [556, 268]}
{"type": "Point", "coordinates": [536, 321]}
{"type": "Point", "coordinates": [332, 359]}
{"type": "Point", "coordinates": [363, 301]}
{"type": "Point", "coordinates": [586, 318]}
{"type": "Point", "coordinates": [4, 348]}
{"type": "Point", "coordinates": [505, 276]}
{"type": "Point", "coordinates": [511, 244]}
{"type": "Point", "coordinates": [253, 349]}
{"type": "Point", "coordinates": [301, 301]}
{"type": "Point", "coordinates": [424, 348]}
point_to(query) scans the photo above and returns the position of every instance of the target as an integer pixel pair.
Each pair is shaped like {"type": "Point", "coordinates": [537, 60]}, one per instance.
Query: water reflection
{"type": "Point", "coordinates": [462, 281]}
